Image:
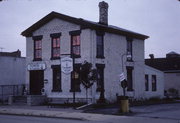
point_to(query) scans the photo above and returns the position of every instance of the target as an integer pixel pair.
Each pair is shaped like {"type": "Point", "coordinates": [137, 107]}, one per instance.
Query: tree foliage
{"type": "Point", "coordinates": [88, 75]}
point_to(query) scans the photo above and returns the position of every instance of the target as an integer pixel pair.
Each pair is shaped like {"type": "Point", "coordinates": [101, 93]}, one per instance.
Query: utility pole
{"type": "Point", "coordinates": [1, 49]}
{"type": "Point", "coordinates": [74, 92]}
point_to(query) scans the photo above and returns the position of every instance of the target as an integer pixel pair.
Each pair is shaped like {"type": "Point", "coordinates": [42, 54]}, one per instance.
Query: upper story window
{"type": "Point", "coordinates": [129, 48]}
{"type": "Point", "coordinates": [55, 45]}
{"type": "Point", "coordinates": [37, 48]}
{"type": "Point", "coordinates": [75, 43]}
{"type": "Point", "coordinates": [99, 44]}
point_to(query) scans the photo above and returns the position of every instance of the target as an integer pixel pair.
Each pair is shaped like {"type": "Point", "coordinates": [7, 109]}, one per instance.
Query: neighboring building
{"type": "Point", "coordinates": [171, 68]}
{"type": "Point", "coordinates": [12, 77]}
{"type": "Point", "coordinates": [103, 45]}
{"type": "Point", "coordinates": [154, 82]}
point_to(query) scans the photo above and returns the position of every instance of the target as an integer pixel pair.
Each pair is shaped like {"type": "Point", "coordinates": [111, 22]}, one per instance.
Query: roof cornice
{"type": "Point", "coordinates": [84, 25]}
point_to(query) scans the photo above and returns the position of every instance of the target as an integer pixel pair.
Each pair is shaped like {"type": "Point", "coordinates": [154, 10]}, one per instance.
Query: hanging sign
{"type": "Point", "coordinates": [122, 77]}
{"type": "Point", "coordinates": [66, 65]}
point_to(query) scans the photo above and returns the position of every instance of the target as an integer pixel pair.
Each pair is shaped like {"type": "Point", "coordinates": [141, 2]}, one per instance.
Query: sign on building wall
{"type": "Point", "coordinates": [36, 66]}
{"type": "Point", "coordinates": [66, 65]}
{"type": "Point", "coordinates": [122, 77]}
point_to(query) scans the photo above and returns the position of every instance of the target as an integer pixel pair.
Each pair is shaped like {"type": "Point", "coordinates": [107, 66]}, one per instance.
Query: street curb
{"type": "Point", "coordinates": [5, 112]}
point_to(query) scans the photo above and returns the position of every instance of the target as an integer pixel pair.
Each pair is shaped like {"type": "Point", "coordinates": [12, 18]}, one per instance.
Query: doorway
{"type": "Point", "coordinates": [36, 82]}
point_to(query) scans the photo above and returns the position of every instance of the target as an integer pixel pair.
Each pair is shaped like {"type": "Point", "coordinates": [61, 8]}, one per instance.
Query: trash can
{"type": "Point", "coordinates": [124, 104]}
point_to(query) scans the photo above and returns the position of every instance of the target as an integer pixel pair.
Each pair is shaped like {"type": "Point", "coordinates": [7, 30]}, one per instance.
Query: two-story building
{"type": "Point", "coordinates": [105, 46]}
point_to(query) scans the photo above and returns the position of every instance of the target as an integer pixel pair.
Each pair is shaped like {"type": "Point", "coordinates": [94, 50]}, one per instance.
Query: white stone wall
{"type": "Point", "coordinates": [138, 71]}
{"type": "Point", "coordinates": [56, 26]}
{"type": "Point", "coordinates": [114, 47]}
{"type": "Point", "coordinates": [159, 80]}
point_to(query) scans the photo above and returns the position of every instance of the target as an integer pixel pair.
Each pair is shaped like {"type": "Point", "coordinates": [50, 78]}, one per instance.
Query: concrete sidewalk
{"type": "Point", "coordinates": [69, 113]}
{"type": "Point", "coordinates": [44, 111]}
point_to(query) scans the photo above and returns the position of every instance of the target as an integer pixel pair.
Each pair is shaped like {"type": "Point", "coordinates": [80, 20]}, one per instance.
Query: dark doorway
{"type": "Point", "coordinates": [36, 82]}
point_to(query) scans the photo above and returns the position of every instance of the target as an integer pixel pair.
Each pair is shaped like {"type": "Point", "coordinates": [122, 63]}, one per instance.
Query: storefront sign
{"type": "Point", "coordinates": [36, 66]}
{"type": "Point", "coordinates": [66, 65]}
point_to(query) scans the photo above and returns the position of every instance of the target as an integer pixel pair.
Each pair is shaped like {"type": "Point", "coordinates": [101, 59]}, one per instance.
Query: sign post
{"type": "Point", "coordinates": [123, 83]}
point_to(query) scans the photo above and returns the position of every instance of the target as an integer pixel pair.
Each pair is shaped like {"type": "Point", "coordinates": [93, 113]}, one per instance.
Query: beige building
{"type": "Point", "coordinates": [105, 46]}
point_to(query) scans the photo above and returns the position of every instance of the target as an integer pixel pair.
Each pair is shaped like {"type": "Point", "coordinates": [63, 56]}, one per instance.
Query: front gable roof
{"type": "Point", "coordinates": [84, 24]}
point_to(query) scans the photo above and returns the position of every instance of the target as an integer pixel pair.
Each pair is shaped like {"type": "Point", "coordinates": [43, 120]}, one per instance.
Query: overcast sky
{"type": "Point", "coordinates": [159, 19]}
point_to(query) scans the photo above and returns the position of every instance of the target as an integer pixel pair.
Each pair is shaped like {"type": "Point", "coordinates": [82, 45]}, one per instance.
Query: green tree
{"type": "Point", "coordinates": [88, 76]}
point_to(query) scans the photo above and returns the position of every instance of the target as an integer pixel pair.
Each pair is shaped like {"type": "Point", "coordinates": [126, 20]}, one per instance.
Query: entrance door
{"type": "Point", "coordinates": [36, 82]}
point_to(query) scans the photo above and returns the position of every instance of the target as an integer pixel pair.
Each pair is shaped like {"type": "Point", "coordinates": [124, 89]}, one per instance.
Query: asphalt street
{"type": "Point", "coordinates": [25, 119]}
{"type": "Point", "coordinates": [164, 111]}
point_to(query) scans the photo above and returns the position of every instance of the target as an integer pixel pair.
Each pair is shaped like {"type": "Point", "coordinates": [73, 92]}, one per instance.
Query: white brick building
{"type": "Point", "coordinates": [103, 45]}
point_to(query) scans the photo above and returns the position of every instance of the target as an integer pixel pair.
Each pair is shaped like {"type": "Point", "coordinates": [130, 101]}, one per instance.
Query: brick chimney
{"type": "Point", "coordinates": [151, 56]}
{"type": "Point", "coordinates": [103, 13]}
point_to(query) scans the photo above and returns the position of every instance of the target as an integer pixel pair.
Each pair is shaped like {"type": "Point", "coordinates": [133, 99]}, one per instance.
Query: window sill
{"type": "Point", "coordinates": [55, 58]}
{"type": "Point", "coordinates": [56, 90]}
{"type": "Point", "coordinates": [100, 57]}
{"type": "Point", "coordinates": [130, 90]}
{"type": "Point", "coordinates": [99, 90]}
{"type": "Point", "coordinates": [37, 59]}
{"type": "Point", "coordinates": [76, 56]}
{"type": "Point", "coordinates": [78, 90]}
{"type": "Point", "coordinates": [130, 60]}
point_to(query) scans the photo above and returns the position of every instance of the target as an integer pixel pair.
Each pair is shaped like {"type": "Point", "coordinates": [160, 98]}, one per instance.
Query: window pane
{"type": "Point", "coordinates": [36, 44]}
{"type": "Point", "coordinates": [74, 40]}
{"type": "Point", "coordinates": [40, 53]}
{"type": "Point", "coordinates": [100, 82]}
{"type": "Point", "coordinates": [76, 45]}
{"type": "Point", "coordinates": [54, 52]}
{"type": "Point", "coordinates": [54, 42]}
{"type": "Point", "coordinates": [99, 50]}
{"type": "Point", "coordinates": [129, 47]}
{"type": "Point", "coordinates": [76, 50]}
{"type": "Point", "coordinates": [56, 79]}
{"type": "Point", "coordinates": [57, 52]}
{"type": "Point", "coordinates": [75, 79]}
{"type": "Point", "coordinates": [78, 40]}
{"type": "Point", "coordinates": [153, 82]}
{"type": "Point", "coordinates": [99, 40]}
{"type": "Point", "coordinates": [129, 79]}
{"type": "Point", "coordinates": [58, 42]}
{"type": "Point", "coordinates": [39, 44]}
{"type": "Point", "coordinates": [99, 46]}
{"type": "Point", "coordinates": [37, 53]}
{"type": "Point", "coordinates": [146, 83]}
{"type": "Point", "coordinates": [55, 47]}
